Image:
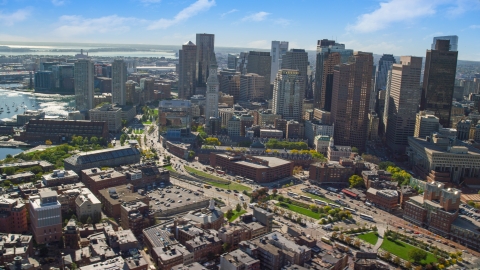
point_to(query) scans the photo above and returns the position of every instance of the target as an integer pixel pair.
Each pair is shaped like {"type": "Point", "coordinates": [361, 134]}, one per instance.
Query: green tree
{"type": "Point", "coordinates": [9, 156]}
{"type": "Point", "coordinates": [245, 205]}
{"type": "Point", "coordinates": [212, 141]}
{"type": "Point", "coordinates": [7, 183]}
{"type": "Point", "coordinates": [94, 140]}
{"type": "Point", "coordinates": [417, 254]}
{"type": "Point", "coordinates": [226, 247]}
{"type": "Point", "coordinates": [354, 149]}
{"type": "Point", "coordinates": [385, 164]}
{"type": "Point", "coordinates": [238, 208]}
{"type": "Point", "coordinates": [229, 214]}
{"type": "Point", "coordinates": [355, 181]}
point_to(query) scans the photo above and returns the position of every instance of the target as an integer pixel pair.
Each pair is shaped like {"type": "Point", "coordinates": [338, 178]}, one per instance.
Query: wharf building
{"type": "Point", "coordinates": [45, 217]}
{"type": "Point", "coordinates": [112, 157]}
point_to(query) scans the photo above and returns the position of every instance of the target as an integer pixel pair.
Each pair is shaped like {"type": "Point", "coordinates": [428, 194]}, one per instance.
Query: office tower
{"type": "Point", "coordinates": [352, 84]}
{"type": "Point", "coordinates": [288, 94]}
{"type": "Point", "coordinates": [279, 48]}
{"type": "Point", "coordinates": [211, 107]}
{"type": "Point", "coordinates": [84, 87]}
{"type": "Point", "coordinates": [329, 54]}
{"type": "Point", "coordinates": [119, 78]}
{"type": "Point", "coordinates": [205, 50]}
{"type": "Point", "coordinates": [384, 65]}
{"type": "Point", "coordinates": [44, 81]}
{"type": "Point", "coordinates": [242, 63]}
{"type": "Point", "coordinates": [46, 217]}
{"type": "Point", "coordinates": [187, 58]}
{"type": "Point", "coordinates": [425, 124]}
{"type": "Point", "coordinates": [297, 59]}
{"type": "Point", "coordinates": [453, 42]}
{"type": "Point", "coordinates": [439, 81]}
{"type": "Point", "coordinates": [232, 60]}
{"type": "Point", "coordinates": [403, 96]}
{"type": "Point", "coordinates": [260, 63]}
{"type": "Point", "coordinates": [252, 86]}
{"type": "Point", "coordinates": [131, 96]}
{"type": "Point", "coordinates": [230, 83]}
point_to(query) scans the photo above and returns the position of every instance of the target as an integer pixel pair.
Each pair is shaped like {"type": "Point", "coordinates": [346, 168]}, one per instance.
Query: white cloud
{"type": "Point", "coordinates": [78, 25]}
{"type": "Point", "coordinates": [256, 17]}
{"type": "Point", "coordinates": [228, 12]}
{"type": "Point", "coordinates": [10, 19]}
{"type": "Point", "coordinates": [475, 26]}
{"type": "Point", "coordinates": [58, 2]}
{"type": "Point", "coordinates": [374, 47]}
{"type": "Point", "coordinates": [462, 6]}
{"type": "Point", "coordinates": [391, 12]}
{"type": "Point", "coordinates": [185, 14]}
{"type": "Point", "coordinates": [282, 22]}
{"type": "Point", "coordinates": [259, 44]}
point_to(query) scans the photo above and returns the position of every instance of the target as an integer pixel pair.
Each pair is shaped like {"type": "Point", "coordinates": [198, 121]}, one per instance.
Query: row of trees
{"type": "Point", "coordinates": [276, 144]}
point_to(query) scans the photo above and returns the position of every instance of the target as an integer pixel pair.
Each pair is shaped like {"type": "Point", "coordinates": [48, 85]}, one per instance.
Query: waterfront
{"type": "Point", "coordinates": [4, 151]}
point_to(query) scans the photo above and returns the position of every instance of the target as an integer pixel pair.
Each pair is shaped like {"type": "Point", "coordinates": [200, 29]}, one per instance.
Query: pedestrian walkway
{"type": "Point", "coordinates": [381, 233]}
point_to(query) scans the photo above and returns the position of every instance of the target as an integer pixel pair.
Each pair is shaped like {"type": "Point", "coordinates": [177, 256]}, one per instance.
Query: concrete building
{"type": "Point", "coordinates": [95, 179]}
{"type": "Point", "coordinates": [321, 143]}
{"type": "Point", "coordinates": [238, 260]}
{"type": "Point", "coordinates": [288, 94]}
{"type": "Point", "coordinates": [439, 81]}
{"type": "Point", "coordinates": [233, 126]}
{"type": "Point", "coordinates": [277, 51]}
{"type": "Point", "coordinates": [438, 161]}
{"type": "Point", "coordinates": [259, 168]}
{"type": "Point", "coordinates": [175, 114]}
{"type": "Point", "coordinates": [205, 52]}
{"type": "Point", "coordinates": [108, 113]}
{"type": "Point", "coordinates": [453, 47]}
{"type": "Point", "coordinates": [187, 70]}
{"type": "Point", "coordinates": [335, 152]}
{"type": "Point", "coordinates": [260, 63]}
{"type": "Point", "coordinates": [230, 83]}
{"type": "Point", "coordinates": [59, 177]}
{"type": "Point", "coordinates": [119, 78]}
{"type": "Point", "coordinates": [111, 157]}
{"type": "Point", "coordinates": [232, 60]}
{"type": "Point", "coordinates": [384, 199]}
{"type": "Point", "coordinates": [87, 205]}
{"type": "Point", "coordinates": [211, 107]}
{"type": "Point", "coordinates": [402, 98]}
{"type": "Point", "coordinates": [14, 247]}
{"type": "Point", "coordinates": [373, 125]}
{"type": "Point", "coordinates": [113, 198]}
{"type": "Point", "coordinates": [44, 81]}
{"type": "Point", "coordinates": [45, 217]}
{"type": "Point", "coordinates": [264, 118]}
{"type": "Point", "coordinates": [84, 87]}
{"type": "Point", "coordinates": [294, 130]}
{"type": "Point", "coordinates": [28, 115]}
{"type": "Point", "coordinates": [297, 59]}
{"type": "Point", "coordinates": [384, 66]}
{"type": "Point", "coordinates": [350, 100]}
{"type": "Point", "coordinates": [13, 215]}
{"type": "Point", "coordinates": [271, 133]}
{"type": "Point", "coordinates": [329, 54]}
{"type": "Point", "coordinates": [252, 87]}
{"type": "Point", "coordinates": [426, 123]}
{"type": "Point", "coordinates": [315, 128]}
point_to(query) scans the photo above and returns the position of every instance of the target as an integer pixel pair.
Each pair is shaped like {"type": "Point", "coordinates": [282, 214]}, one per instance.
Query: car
{"type": "Point", "coordinates": [235, 194]}
{"type": "Point", "coordinates": [236, 191]}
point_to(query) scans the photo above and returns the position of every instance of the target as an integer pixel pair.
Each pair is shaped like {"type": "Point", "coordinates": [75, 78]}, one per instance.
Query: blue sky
{"type": "Point", "coordinates": [401, 27]}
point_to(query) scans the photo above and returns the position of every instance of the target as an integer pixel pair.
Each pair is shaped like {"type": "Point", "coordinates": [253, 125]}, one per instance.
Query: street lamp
{"type": "Point", "coordinates": [63, 260]}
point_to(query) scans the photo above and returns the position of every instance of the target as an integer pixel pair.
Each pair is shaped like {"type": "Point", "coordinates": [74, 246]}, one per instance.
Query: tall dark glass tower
{"type": "Point", "coordinates": [439, 81]}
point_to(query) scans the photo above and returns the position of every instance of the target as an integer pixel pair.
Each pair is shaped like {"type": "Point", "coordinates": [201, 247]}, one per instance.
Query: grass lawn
{"type": "Point", "coordinates": [313, 196]}
{"type": "Point", "coordinates": [169, 167]}
{"type": "Point", "coordinates": [225, 183]}
{"type": "Point", "coordinates": [147, 122]}
{"type": "Point", "coordinates": [401, 249]}
{"type": "Point", "coordinates": [138, 131]}
{"type": "Point", "coordinates": [370, 237]}
{"type": "Point", "coordinates": [232, 186]}
{"type": "Point", "coordinates": [203, 174]}
{"type": "Point", "coordinates": [155, 111]}
{"type": "Point", "coordinates": [300, 210]}
{"type": "Point", "coordinates": [236, 215]}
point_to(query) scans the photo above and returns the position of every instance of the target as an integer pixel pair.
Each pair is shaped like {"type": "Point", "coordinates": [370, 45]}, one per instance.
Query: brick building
{"type": "Point", "coordinates": [45, 217]}
{"type": "Point", "coordinates": [111, 157]}
{"type": "Point", "coordinates": [145, 175]}
{"type": "Point", "coordinates": [59, 177]}
{"type": "Point", "coordinates": [238, 260]}
{"type": "Point", "coordinates": [330, 173]}
{"type": "Point", "coordinates": [385, 199]}
{"type": "Point", "coordinates": [113, 197]}
{"type": "Point", "coordinates": [136, 216]}
{"type": "Point", "coordinates": [13, 216]}
{"type": "Point", "coordinates": [96, 179]}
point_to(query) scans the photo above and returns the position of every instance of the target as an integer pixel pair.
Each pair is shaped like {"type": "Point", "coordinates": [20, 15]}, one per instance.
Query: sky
{"type": "Point", "coordinates": [400, 27]}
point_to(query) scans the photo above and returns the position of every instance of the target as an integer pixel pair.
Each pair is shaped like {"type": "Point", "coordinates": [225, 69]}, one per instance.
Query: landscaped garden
{"type": "Point", "coordinates": [371, 237]}
{"type": "Point", "coordinates": [401, 249]}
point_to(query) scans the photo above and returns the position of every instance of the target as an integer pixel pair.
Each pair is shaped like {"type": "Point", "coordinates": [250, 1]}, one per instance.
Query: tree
{"type": "Point", "coordinates": [238, 208]}
{"type": "Point", "coordinates": [354, 149]}
{"type": "Point", "coordinates": [229, 214]}
{"type": "Point", "coordinates": [357, 243]}
{"type": "Point", "coordinates": [385, 164]}
{"type": "Point", "coordinates": [355, 181]}
{"type": "Point", "coordinates": [48, 142]}
{"type": "Point", "coordinates": [274, 192]}
{"type": "Point", "coordinates": [408, 265]}
{"type": "Point", "coordinates": [245, 205]}
{"type": "Point", "coordinates": [212, 141]}
{"type": "Point", "coordinates": [7, 183]}
{"type": "Point", "coordinates": [226, 247]}
{"type": "Point", "coordinates": [387, 256]}
{"type": "Point", "coordinates": [417, 254]}
{"type": "Point", "coordinates": [396, 260]}
{"type": "Point", "coordinates": [371, 158]}
{"type": "Point", "coordinates": [89, 220]}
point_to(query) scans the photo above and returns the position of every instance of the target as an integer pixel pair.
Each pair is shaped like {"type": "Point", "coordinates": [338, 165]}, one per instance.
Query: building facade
{"type": "Point", "coordinates": [211, 107]}
{"type": "Point", "coordinates": [119, 78]}
{"type": "Point", "coordinates": [187, 70]}
{"type": "Point", "coordinates": [278, 50]}
{"type": "Point", "coordinates": [288, 94]}
{"type": "Point", "coordinates": [260, 63]}
{"type": "Point", "coordinates": [84, 85]}
{"type": "Point", "coordinates": [205, 52]}
{"type": "Point", "coordinates": [45, 217]}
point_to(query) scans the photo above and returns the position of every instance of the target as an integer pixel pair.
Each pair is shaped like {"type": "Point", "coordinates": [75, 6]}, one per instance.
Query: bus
{"type": "Point", "coordinates": [368, 204]}
{"type": "Point", "coordinates": [319, 202]}
{"type": "Point", "coordinates": [305, 198]}
{"type": "Point", "coordinates": [333, 205]}
{"type": "Point", "coordinates": [207, 186]}
{"type": "Point", "coordinates": [332, 189]}
{"type": "Point", "coordinates": [367, 217]}
{"type": "Point", "coordinates": [349, 209]}
{"type": "Point", "coordinates": [292, 194]}
{"type": "Point", "coordinates": [326, 240]}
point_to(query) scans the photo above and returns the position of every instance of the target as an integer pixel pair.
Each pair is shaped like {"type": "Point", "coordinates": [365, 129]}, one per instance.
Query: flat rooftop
{"type": "Point", "coordinates": [174, 197]}
{"type": "Point", "coordinates": [123, 192]}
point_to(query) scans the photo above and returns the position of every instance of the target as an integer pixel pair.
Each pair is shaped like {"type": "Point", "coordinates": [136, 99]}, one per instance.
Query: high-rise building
{"type": "Point", "coordinates": [211, 107]}
{"type": "Point", "coordinates": [260, 63]}
{"type": "Point", "coordinates": [425, 124]}
{"type": "Point", "coordinates": [403, 96]}
{"type": "Point", "coordinates": [46, 217]}
{"type": "Point", "coordinates": [288, 93]}
{"type": "Point", "coordinates": [83, 75]}
{"type": "Point", "coordinates": [297, 59]}
{"type": "Point", "coordinates": [252, 86]}
{"type": "Point", "coordinates": [384, 65]}
{"type": "Point", "coordinates": [230, 83]}
{"type": "Point", "coordinates": [279, 48]}
{"type": "Point", "coordinates": [352, 84]}
{"type": "Point", "coordinates": [453, 42]}
{"type": "Point", "coordinates": [439, 81]}
{"type": "Point", "coordinates": [205, 50]}
{"type": "Point", "coordinates": [232, 60]}
{"type": "Point", "coordinates": [329, 54]}
{"type": "Point", "coordinates": [119, 78]}
{"type": "Point", "coordinates": [187, 58]}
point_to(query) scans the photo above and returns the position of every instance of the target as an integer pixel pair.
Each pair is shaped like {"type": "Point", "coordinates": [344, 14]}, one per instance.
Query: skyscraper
{"type": "Point", "coordinates": [260, 63]}
{"type": "Point", "coordinates": [288, 94]}
{"type": "Point", "coordinates": [329, 54]}
{"type": "Point", "coordinates": [83, 76]}
{"type": "Point", "coordinates": [119, 78]}
{"type": "Point", "coordinates": [252, 86]}
{"type": "Point", "coordinates": [211, 107]}
{"type": "Point", "coordinates": [453, 42]}
{"type": "Point", "coordinates": [279, 48]}
{"type": "Point", "coordinates": [439, 81]}
{"type": "Point", "coordinates": [352, 84]}
{"type": "Point", "coordinates": [297, 59]}
{"type": "Point", "coordinates": [232, 61]}
{"type": "Point", "coordinates": [205, 50]}
{"type": "Point", "coordinates": [187, 58]}
{"type": "Point", "coordinates": [403, 96]}
{"type": "Point", "coordinates": [384, 65]}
